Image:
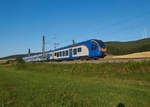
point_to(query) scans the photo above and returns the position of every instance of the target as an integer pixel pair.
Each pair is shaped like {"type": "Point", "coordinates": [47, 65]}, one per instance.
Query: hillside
{"type": "Point", "coordinates": [13, 56]}
{"type": "Point", "coordinates": [122, 48]}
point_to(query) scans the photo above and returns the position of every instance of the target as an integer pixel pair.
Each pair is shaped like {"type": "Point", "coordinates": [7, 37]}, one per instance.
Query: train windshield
{"type": "Point", "coordinates": [101, 43]}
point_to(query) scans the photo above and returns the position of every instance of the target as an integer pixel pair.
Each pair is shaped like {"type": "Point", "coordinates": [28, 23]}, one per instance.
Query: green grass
{"type": "Point", "coordinates": [75, 85]}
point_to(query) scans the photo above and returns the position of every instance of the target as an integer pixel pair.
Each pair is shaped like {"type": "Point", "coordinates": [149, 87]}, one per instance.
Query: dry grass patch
{"type": "Point", "coordinates": [135, 55]}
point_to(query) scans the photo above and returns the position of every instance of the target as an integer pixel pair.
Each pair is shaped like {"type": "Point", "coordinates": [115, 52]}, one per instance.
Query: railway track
{"type": "Point", "coordinates": [104, 60]}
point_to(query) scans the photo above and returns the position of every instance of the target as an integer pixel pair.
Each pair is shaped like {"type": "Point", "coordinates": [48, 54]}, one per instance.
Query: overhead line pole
{"type": "Point", "coordinates": [43, 48]}
{"type": "Point", "coordinates": [29, 52]}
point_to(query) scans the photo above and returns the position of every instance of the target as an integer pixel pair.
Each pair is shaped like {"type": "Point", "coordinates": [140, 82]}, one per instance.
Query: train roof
{"type": "Point", "coordinates": [73, 45]}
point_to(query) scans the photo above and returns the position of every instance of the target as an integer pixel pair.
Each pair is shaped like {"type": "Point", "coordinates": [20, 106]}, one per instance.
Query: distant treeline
{"type": "Point", "coordinates": [115, 48]}
{"type": "Point", "coordinates": [15, 56]}
{"type": "Point", "coordinates": [121, 48]}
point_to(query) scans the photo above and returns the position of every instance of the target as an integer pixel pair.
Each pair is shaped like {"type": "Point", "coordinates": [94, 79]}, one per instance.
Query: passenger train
{"type": "Point", "coordinates": [88, 49]}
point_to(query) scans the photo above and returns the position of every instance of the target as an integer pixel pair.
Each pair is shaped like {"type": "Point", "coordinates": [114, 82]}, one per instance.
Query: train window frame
{"type": "Point", "coordinates": [57, 54]}
{"type": "Point", "coordinates": [63, 53]}
{"type": "Point", "coordinates": [60, 53]}
{"type": "Point", "coordinates": [80, 49]}
{"type": "Point", "coordinates": [101, 43]}
{"type": "Point", "coordinates": [75, 51]}
{"type": "Point", "coordinates": [48, 55]}
{"type": "Point", "coordinates": [67, 53]}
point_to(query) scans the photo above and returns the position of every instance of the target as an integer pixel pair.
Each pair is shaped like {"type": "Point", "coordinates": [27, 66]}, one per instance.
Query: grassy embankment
{"type": "Point", "coordinates": [76, 85]}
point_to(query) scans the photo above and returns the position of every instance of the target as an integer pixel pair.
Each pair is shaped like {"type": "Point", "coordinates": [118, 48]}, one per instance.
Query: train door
{"type": "Point", "coordinates": [70, 53]}
{"type": "Point", "coordinates": [94, 49]}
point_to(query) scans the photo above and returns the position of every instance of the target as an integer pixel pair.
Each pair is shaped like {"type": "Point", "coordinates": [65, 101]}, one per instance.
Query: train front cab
{"type": "Point", "coordinates": [97, 49]}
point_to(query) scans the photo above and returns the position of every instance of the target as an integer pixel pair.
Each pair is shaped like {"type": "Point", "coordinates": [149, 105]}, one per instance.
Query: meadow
{"type": "Point", "coordinates": [75, 85]}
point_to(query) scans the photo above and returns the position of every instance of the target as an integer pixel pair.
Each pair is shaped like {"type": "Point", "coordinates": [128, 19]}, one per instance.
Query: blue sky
{"type": "Point", "coordinates": [23, 22]}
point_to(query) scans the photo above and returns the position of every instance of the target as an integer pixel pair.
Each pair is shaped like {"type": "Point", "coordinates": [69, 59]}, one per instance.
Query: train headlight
{"type": "Point", "coordinates": [103, 49]}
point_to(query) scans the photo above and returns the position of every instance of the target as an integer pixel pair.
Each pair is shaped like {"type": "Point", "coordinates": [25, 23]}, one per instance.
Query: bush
{"type": "Point", "coordinates": [20, 61]}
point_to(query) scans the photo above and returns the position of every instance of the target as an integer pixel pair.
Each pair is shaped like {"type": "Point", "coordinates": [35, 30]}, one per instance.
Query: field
{"type": "Point", "coordinates": [3, 61]}
{"type": "Point", "coordinates": [134, 55]}
{"type": "Point", "coordinates": [75, 85]}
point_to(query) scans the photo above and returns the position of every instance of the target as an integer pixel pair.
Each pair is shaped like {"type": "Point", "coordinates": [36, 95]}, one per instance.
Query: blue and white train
{"type": "Point", "coordinates": [88, 49]}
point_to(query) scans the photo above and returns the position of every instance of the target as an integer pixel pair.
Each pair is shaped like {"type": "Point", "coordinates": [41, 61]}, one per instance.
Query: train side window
{"type": "Point", "coordinates": [66, 53]}
{"type": "Point", "coordinates": [55, 54]}
{"type": "Point", "coordinates": [74, 51]}
{"type": "Point", "coordinates": [79, 49]}
{"type": "Point", "coordinates": [48, 55]}
{"type": "Point", "coordinates": [63, 53]}
{"type": "Point", "coordinates": [60, 54]}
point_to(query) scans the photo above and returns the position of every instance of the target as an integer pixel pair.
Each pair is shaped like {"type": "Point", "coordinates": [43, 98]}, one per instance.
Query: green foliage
{"type": "Point", "coordinates": [120, 48]}
{"type": "Point", "coordinates": [75, 85]}
{"type": "Point", "coordinates": [20, 61]}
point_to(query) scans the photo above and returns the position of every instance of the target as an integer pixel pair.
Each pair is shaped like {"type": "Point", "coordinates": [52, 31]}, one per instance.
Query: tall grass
{"type": "Point", "coordinates": [75, 85]}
